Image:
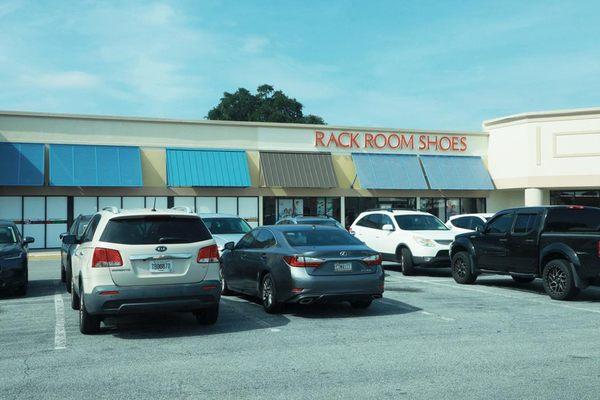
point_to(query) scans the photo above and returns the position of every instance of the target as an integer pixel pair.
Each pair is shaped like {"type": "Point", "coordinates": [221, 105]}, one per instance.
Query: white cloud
{"type": "Point", "coordinates": [61, 80]}
{"type": "Point", "coordinates": [255, 44]}
{"type": "Point", "coordinates": [158, 14]}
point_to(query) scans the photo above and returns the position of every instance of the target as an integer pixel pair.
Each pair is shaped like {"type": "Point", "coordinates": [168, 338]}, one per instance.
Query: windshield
{"type": "Point", "coordinates": [419, 222]}
{"type": "Point", "coordinates": [317, 237]}
{"type": "Point", "coordinates": [7, 235]}
{"type": "Point", "coordinates": [155, 230]}
{"type": "Point", "coordinates": [227, 226]}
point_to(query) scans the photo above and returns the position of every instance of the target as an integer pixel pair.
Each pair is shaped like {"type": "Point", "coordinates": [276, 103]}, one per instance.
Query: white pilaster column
{"type": "Point", "coordinates": [260, 210]}
{"type": "Point", "coordinates": [343, 211]}
{"type": "Point", "coordinates": [534, 197]}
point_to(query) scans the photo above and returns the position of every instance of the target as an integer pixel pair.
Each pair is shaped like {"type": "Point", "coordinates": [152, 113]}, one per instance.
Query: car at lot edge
{"type": "Point", "coordinates": [411, 238]}
{"type": "Point", "coordinates": [308, 220]}
{"type": "Point", "coordinates": [13, 258]}
{"type": "Point", "coordinates": [463, 223]}
{"type": "Point", "coordinates": [225, 228]}
{"type": "Point", "coordinates": [137, 261]}
{"type": "Point", "coordinates": [66, 250]}
{"type": "Point", "coordinates": [560, 244]}
{"type": "Point", "coordinates": [302, 264]}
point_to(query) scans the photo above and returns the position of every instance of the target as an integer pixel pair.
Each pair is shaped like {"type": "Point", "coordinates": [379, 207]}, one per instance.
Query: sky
{"type": "Point", "coordinates": [441, 64]}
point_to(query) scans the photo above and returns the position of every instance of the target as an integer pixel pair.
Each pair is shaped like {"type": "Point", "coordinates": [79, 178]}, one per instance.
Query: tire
{"type": "Point", "coordinates": [268, 295]}
{"type": "Point", "coordinates": [462, 270]}
{"type": "Point", "coordinates": [559, 282]}
{"type": "Point", "coordinates": [523, 279]}
{"type": "Point", "coordinates": [207, 316]}
{"type": "Point", "coordinates": [360, 304]}
{"type": "Point", "coordinates": [63, 274]}
{"type": "Point", "coordinates": [68, 279]}
{"type": "Point", "coordinates": [87, 323]}
{"type": "Point", "coordinates": [74, 298]}
{"type": "Point", "coordinates": [406, 261]}
{"type": "Point", "coordinates": [224, 289]}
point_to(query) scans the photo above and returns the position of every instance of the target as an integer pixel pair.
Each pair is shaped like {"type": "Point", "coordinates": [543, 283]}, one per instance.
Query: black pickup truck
{"type": "Point", "coordinates": [560, 244]}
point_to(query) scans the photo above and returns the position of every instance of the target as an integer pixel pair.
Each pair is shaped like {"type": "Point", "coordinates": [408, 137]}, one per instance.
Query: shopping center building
{"type": "Point", "coordinates": [54, 167]}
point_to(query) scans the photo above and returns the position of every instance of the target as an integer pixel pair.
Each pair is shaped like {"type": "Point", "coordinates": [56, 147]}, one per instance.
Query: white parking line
{"type": "Point", "coordinates": [495, 293]}
{"type": "Point", "coordinates": [60, 336]}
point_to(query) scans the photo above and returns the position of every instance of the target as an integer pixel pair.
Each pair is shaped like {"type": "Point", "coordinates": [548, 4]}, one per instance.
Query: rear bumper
{"type": "Point", "coordinates": [156, 298]}
{"type": "Point", "coordinates": [334, 288]}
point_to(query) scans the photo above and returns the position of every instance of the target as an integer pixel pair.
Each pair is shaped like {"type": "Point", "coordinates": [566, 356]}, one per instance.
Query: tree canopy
{"type": "Point", "coordinates": [267, 105]}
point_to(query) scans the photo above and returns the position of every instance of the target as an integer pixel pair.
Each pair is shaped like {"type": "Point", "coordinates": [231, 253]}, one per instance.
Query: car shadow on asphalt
{"type": "Point", "coordinates": [590, 294]}
{"type": "Point", "coordinates": [435, 272]}
{"type": "Point", "coordinates": [36, 288]}
{"type": "Point", "coordinates": [379, 307]}
{"type": "Point", "coordinates": [171, 325]}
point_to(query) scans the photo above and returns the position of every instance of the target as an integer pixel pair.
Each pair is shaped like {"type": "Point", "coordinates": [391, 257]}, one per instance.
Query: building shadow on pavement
{"type": "Point", "coordinates": [233, 317]}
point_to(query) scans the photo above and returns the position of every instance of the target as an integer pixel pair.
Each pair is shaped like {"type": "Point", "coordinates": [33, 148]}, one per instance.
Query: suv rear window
{"type": "Point", "coordinates": [573, 220]}
{"type": "Point", "coordinates": [155, 229]}
{"type": "Point", "coordinates": [317, 237]}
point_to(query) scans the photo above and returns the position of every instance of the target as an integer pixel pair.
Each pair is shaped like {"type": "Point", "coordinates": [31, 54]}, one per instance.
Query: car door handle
{"type": "Point", "coordinates": [263, 256]}
{"type": "Point", "coordinates": [79, 253]}
{"type": "Point", "coordinates": [529, 240]}
{"type": "Point", "coordinates": [503, 240]}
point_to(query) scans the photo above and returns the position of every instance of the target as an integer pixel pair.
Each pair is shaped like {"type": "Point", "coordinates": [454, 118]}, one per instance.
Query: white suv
{"type": "Point", "coordinates": [144, 261]}
{"type": "Point", "coordinates": [412, 238]}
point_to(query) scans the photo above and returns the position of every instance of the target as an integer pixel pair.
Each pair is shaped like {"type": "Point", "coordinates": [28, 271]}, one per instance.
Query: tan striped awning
{"type": "Point", "coordinates": [297, 170]}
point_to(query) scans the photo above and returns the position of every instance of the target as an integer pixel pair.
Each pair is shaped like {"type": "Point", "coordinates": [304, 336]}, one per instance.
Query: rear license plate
{"type": "Point", "coordinates": [161, 266]}
{"type": "Point", "coordinates": [342, 267]}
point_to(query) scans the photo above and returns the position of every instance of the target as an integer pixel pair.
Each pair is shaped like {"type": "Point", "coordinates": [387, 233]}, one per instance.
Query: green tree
{"type": "Point", "coordinates": [267, 105]}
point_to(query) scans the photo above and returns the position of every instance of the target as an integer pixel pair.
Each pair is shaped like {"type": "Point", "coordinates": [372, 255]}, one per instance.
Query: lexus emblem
{"type": "Point", "coordinates": [161, 248]}
{"type": "Point", "coordinates": [343, 253]}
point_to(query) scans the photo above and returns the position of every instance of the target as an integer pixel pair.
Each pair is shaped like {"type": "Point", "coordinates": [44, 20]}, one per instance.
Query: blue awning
{"type": "Point", "coordinates": [207, 168]}
{"type": "Point", "coordinates": [456, 173]}
{"type": "Point", "coordinates": [21, 164]}
{"type": "Point", "coordinates": [89, 165]}
{"type": "Point", "coordinates": [389, 171]}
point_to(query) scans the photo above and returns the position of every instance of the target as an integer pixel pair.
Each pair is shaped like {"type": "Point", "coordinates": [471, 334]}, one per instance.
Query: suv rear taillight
{"type": "Point", "coordinates": [303, 262]}
{"type": "Point", "coordinates": [106, 258]}
{"type": "Point", "coordinates": [372, 260]}
{"type": "Point", "coordinates": [598, 245]}
{"type": "Point", "coordinates": [208, 254]}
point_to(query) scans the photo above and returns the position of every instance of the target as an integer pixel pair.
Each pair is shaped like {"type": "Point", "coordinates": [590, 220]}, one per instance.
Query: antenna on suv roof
{"type": "Point", "coordinates": [154, 205]}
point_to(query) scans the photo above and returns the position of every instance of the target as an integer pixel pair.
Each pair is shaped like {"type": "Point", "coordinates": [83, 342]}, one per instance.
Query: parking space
{"type": "Point", "coordinates": [427, 338]}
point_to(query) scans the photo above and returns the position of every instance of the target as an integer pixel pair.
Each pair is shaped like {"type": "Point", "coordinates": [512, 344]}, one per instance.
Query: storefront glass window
{"type": "Point", "coordinates": [435, 206]}
{"type": "Point", "coordinates": [582, 198]}
{"type": "Point", "coordinates": [401, 203]}
{"type": "Point", "coordinates": [452, 208]}
{"type": "Point", "coordinates": [276, 208]}
{"type": "Point", "coordinates": [470, 205]}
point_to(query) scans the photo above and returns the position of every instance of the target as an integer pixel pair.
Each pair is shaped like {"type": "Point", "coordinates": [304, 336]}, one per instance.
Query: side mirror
{"type": "Point", "coordinates": [70, 239]}
{"type": "Point", "coordinates": [229, 246]}
{"type": "Point", "coordinates": [62, 235]}
{"type": "Point", "coordinates": [28, 239]}
{"type": "Point", "coordinates": [387, 227]}
{"type": "Point", "coordinates": [480, 228]}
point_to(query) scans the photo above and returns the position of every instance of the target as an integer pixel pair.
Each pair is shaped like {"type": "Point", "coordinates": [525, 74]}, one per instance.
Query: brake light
{"type": "Point", "coordinates": [350, 231]}
{"type": "Point", "coordinates": [106, 258]}
{"type": "Point", "coordinates": [576, 207]}
{"type": "Point", "coordinates": [372, 260]}
{"type": "Point", "coordinates": [303, 262]}
{"type": "Point", "coordinates": [208, 254]}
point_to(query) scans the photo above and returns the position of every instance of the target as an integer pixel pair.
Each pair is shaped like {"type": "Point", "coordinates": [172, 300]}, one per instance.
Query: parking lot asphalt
{"type": "Point", "coordinates": [429, 338]}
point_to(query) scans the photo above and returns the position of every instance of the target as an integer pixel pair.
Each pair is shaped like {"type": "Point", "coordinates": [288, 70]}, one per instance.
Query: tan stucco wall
{"type": "Point", "coordinates": [154, 167]}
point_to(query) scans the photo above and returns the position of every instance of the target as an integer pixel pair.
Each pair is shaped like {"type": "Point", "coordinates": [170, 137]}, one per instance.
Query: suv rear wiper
{"type": "Point", "coordinates": [172, 239]}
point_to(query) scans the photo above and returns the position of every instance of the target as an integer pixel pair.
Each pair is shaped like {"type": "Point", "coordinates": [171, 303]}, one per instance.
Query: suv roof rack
{"type": "Point", "coordinates": [185, 209]}
{"type": "Point", "coordinates": [112, 209]}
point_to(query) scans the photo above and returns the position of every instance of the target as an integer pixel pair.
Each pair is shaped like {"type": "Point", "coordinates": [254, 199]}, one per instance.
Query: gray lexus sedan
{"type": "Point", "coordinates": [302, 264]}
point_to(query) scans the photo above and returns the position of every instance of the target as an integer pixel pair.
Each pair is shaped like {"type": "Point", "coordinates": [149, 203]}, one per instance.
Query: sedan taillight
{"type": "Point", "coordinates": [303, 262]}
{"type": "Point", "coordinates": [372, 260]}
{"type": "Point", "coordinates": [106, 258]}
{"type": "Point", "coordinates": [208, 254]}
{"type": "Point", "coordinates": [598, 248]}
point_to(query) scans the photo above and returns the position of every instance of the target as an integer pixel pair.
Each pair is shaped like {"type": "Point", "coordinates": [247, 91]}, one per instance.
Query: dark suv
{"type": "Point", "coordinates": [560, 244]}
{"type": "Point", "coordinates": [13, 258]}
